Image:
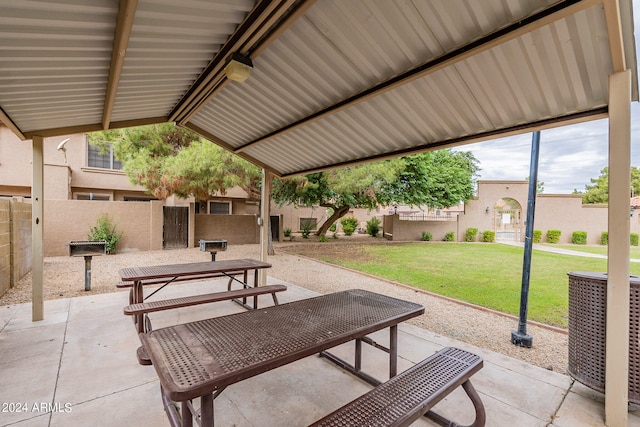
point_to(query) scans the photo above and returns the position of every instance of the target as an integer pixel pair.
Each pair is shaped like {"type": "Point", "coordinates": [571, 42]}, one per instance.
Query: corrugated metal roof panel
{"type": "Point", "coordinates": [547, 72]}
{"type": "Point", "coordinates": [170, 44]}
{"type": "Point", "coordinates": [54, 61]}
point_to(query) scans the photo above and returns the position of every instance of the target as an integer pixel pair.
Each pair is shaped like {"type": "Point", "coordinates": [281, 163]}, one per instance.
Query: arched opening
{"type": "Point", "coordinates": [507, 219]}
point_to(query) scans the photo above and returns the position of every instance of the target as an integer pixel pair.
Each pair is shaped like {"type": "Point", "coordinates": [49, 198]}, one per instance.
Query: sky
{"type": "Point", "coordinates": [569, 156]}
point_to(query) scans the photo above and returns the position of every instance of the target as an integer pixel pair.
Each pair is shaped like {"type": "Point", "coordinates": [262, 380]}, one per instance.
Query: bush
{"type": "Point", "coordinates": [306, 229]}
{"type": "Point", "coordinates": [323, 238]}
{"type": "Point", "coordinates": [633, 239]}
{"type": "Point", "coordinates": [553, 236]}
{"type": "Point", "coordinates": [373, 227]}
{"type": "Point", "coordinates": [537, 236]}
{"type": "Point", "coordinates": [349, 225]}
{"type": "Point", "coordinates": [449, 237]}
{"type": "Point", "coordinates": [604, 238]}
{"type": "Point", "coordinates": [287, 232]}
{"type": "Point", "coordinates": [426, 236]}
{"type": "Point", "coordinates": [105, 230]}
{"type": "Point", "coordinates": [333, 227]}
{"type": "Point", "coordinates": [470, 235]}
{"type": "Point", "coordinates": [579, 238]}
{"type": "Point", "coordinates": [489, 236]}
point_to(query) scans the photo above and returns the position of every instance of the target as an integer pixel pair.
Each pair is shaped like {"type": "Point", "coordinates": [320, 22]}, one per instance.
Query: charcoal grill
{"type": "Point", "coordinates": [87, 250]}
{"type": "Point", "coordinates": [213, 246]}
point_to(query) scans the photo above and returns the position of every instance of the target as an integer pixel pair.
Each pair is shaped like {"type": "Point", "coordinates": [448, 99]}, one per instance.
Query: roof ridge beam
{"type": "Point", "coordinates": [554, 13]}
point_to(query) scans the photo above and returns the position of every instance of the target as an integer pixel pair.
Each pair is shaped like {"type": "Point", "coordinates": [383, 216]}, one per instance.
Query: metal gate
{"type": "Point", "coordinates": [507, 224]}
{"type": "Point", "coordinates": [175, 227]}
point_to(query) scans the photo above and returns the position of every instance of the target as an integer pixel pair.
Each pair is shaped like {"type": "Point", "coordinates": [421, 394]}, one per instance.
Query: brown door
{"type": "Point", "coordinates": [175, 227]}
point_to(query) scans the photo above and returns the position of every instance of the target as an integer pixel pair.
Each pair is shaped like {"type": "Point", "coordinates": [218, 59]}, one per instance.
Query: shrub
{"type": "Point", "coordinates": [323, 238]}
{"type": "Point", "coordinates": [579, 238]}
{"type": "Point", "coordinates": [470, 235]}
{"type": "Point", "coordinates": [373, 227]}
{"type": "Point", "coordinates": [333, 227]}
{"type": "Point", "coordinates": [287, 232]}
{"type": "Point", "coordinates": [449, 237]}
{"type": "Point", "coordinates": [306, 228]}
{"type": "Point", "coordinates": [537, 236]}
{"type": "Point", "coordinates": [105, 230]}
{"type": "Point", "coordinates": [604, 238]}
{"type": "Point", "coordinates": [426, 236]}
{"type": "Point", "coordinates": [633, 239]}
{"type": "Point", "coordinates": [553, 236]}
{"type": "Point", "coordinates": [349, 225]}
{"type": "Point", "coordinates": [489, 236]}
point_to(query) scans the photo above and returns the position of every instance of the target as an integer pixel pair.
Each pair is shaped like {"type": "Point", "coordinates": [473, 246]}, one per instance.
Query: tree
{"type": "Point", "coordinates": [438, 179]}
{"type": "Point", "coordinates": [168, 159]}
{"type": "Point", "coordinates": [598, 192]}
{"type": "Point", "coordinates": [539, 186]}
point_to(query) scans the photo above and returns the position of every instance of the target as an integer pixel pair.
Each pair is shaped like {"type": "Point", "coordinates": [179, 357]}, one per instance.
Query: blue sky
{"type": "Point", "coordinates": [569, 155]}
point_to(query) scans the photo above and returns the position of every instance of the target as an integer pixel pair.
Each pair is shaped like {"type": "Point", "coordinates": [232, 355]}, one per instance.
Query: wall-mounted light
{"type": "Point", "coordinates": [631, 212]}
{"type": "Point", "coordinates": [238, 67]}
{"type": "Point", "coordinates": [487, 210]}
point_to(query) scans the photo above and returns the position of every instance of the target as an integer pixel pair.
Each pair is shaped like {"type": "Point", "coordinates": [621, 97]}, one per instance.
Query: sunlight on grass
{"type": "Point", "coordinates": [489, 275]}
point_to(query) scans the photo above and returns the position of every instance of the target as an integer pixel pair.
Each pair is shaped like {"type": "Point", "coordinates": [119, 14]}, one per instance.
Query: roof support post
{"type": "Point", "coordinates": [617, 331]}
{"type": "Point", "coordinates": [37, 223]}
{"type": "Point", "coordinates": [265, 222]}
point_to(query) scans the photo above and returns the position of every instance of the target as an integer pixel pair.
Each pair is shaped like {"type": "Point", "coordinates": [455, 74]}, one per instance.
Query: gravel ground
{"type": "Point", "coordinates": [64, 278]}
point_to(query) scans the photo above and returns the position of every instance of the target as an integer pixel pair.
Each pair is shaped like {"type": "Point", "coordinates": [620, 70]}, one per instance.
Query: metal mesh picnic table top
{"type": "Point", "coordinates": [159, 271]}
{"type": "Point", "coordinates": [197, 358]}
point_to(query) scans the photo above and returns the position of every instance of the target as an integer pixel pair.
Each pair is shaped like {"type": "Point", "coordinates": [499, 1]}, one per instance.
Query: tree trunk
{"type": "Point", "coordinates": [338, 212]}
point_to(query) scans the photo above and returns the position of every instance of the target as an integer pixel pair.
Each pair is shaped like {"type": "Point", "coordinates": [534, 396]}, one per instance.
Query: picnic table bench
{"type": "Point", "coordinates": [411, 394]}
{"type": "Point", "coordinates": [138, 277]}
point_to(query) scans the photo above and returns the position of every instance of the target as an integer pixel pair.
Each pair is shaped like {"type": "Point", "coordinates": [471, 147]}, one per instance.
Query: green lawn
{"type": "Point", "coordinates": [594, 249]}
{"type": "Point", "coordinates": [489, 275]}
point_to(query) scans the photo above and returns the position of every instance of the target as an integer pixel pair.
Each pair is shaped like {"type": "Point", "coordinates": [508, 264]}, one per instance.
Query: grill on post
{"type": "Point", "coordinates": [213, 246]}
{"type": "Point", "coordinates": [87, 250]}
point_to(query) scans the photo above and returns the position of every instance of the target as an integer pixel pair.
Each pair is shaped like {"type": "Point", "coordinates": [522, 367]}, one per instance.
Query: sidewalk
{"type": "Point", "coordinates": [561, 251]}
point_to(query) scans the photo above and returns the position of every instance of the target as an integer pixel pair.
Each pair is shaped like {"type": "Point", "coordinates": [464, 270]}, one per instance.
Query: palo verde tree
{"type": "Point", "coordinates": [598, 191]}
{"type": "Point", "coordinates": [167, 159]}
{"type": "Point", "coordinates": [437, 179]}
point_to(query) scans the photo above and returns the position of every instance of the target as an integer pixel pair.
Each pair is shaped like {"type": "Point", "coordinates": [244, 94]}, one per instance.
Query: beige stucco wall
{"type": "Point", "coordinates": [5, 246]}
{"type": "Point", "coordinates": [398, 230]}
{"type": "Point", "coordinates": [564, 212]}
{"type": "Point", "coordinates": [67, 220]}
{"type": "Point", "coordinates": [291, 215]}
{"type": "Point", "coordinates": [235, 229]}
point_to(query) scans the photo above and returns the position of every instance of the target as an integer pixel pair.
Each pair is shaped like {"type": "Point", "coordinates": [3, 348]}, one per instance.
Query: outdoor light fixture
{"type": "Point", "coordinates": [487, 210]}
{"type": "Point", "coordinates": [238, 67]}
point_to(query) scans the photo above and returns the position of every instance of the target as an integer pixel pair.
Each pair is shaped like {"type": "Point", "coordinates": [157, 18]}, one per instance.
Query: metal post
{"type": "Point", "coordinates": [520, 337]}
{"type": "Point", "coordinates": [87, 272]}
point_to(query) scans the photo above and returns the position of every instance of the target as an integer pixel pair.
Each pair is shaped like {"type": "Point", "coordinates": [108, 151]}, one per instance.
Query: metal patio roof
{"type": "Point", "coordinates": [334, 82]}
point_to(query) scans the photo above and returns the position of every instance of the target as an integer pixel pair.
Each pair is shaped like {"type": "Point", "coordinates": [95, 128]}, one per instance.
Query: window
{"type": "Point", "coordinates": [105, 161]}
{"type": "Point", "coordinates": [220, 208]}
{"type": "Point", "coordinates": [311, 223]}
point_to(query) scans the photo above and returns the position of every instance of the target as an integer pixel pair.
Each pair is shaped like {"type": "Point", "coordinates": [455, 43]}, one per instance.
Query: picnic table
{"type": "Point", "coordinates": [200, 359]}
{"type": "Point", "coordinates": [137, 277]}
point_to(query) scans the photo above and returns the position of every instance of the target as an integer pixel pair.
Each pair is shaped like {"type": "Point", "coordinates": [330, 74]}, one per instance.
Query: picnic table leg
{"type": "Point", "coordinates": [138, 298]}
{"type": "Point", "coordinates": [206, 410]}
{"type": "Point", "coordinates": [393, 351]}
{"type": "Point", "coordinates": [186, 415]}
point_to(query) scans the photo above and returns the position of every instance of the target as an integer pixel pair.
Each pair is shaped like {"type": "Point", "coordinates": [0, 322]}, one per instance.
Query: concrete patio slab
{"type": "Point", "coordinates": [78, 367]}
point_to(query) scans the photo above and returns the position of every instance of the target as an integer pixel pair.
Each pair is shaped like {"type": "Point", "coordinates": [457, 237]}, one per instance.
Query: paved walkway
{"type": "Point", "coordinates": [78, 367]}
{"type": "Point", "coordinates": [562, 251]}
